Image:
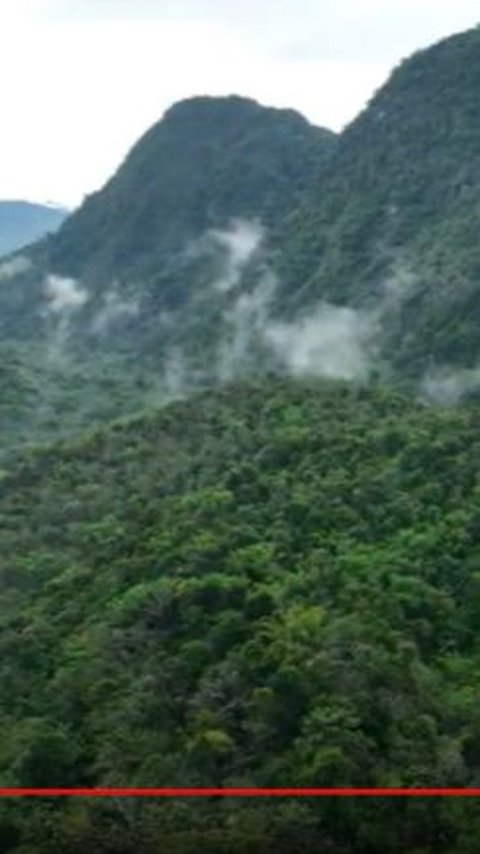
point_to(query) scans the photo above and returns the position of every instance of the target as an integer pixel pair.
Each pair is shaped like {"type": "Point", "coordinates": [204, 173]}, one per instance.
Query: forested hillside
{"type": "Point", "coordinates": [207, 160]}
{"type": "Point", "coordinates": [272, 584]}
{"type": "Point", "coordinates": [394, 226]}
{"type": "Point", "coordinates": [158, 284]}
{"type": "Point", "coordinates": [237, 240]}
{"type": "Point", "coordinates": [238, 544]}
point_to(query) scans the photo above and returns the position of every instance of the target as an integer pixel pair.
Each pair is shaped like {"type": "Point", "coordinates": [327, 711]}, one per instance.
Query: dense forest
{"type": "Point", "coordinates": [273, 584]}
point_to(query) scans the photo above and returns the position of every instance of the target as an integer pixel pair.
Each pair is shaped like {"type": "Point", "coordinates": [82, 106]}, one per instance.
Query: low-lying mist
{"type": "Point", "coordinates": [237, 246]}
{"type": "Point", "coordinates": [64, 294]}
{"type": "Point", "coordinates": [228, 328]}
{"type": "Point", "coordinates": [332, 341]}
{"type": "Point", "coordinates": [14, 267]}
{"type": "Point", "coordinates": [114, 307]}
{"type": "Point", "coordinates": [446, 386]}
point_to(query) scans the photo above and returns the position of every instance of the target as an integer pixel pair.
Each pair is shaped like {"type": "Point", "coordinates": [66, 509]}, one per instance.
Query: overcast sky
{"type": "Point", "coordinates": [83, 79]}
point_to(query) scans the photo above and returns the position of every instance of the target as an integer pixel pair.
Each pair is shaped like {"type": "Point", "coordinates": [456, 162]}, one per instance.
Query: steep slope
{"type": "Point", "coordinates": [139, 295]}
{"type": "Point", "coordinates": [22, 223]}
{"type": "Point", "coordinates": [207, 161]}
{"type": "Point", "coordinates": [395, 225]}
{"type": "Point", "coordinates": [275, 584]}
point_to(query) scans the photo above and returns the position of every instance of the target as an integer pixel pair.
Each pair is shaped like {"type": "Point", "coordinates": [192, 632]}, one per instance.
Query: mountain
{"type": "Point", "coordinates": [138, 297]}
{"type": "Point", "coordinates": [22, 223]}
{"type": "Point", "coordinates": [271, 584]}
{"type": "Point", "coordinates": [239, 240]}
{"type": "Point", "coordinates": [393, 226]}
{"type": "Point", "coordinates": [208, 161]}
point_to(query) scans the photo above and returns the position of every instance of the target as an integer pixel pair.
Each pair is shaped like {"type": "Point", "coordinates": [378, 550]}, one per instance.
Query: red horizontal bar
{"type": "Point", "coordinates": [233, 792]}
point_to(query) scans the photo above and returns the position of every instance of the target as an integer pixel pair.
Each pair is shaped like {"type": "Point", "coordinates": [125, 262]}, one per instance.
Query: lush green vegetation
{"type": "Point", "coordinates": [148, 321]}
{"type": "Point", "coordinates": [270, 583]}
{"type": "Point", "coordinates": [207, 160]}
{"type": "Point", "coordinates": [273, 584]}
{"type": "Point", "coordinates": [42, 400]}
{"type": "Point", "coordinates": [397, 203]}
{"type": "Point", "coordinates": [382, 218]}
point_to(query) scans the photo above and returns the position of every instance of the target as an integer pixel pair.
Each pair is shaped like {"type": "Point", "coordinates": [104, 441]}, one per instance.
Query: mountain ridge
{"type": "Point", "coordinates": [237, 239]}
{"type": "Point", "coordinates": [401, 196]}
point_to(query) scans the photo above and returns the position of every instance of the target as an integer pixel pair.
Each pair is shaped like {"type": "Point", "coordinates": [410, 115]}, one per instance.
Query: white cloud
{"type": "Point", "coordinates": [239, 243]}
{"type": "Point", "coordinates": [446, 386]}
{"type": "Point", "coordinates": [175, 375]}
{"type": "Point", "coordinates": [114, 308]}
{"type": "Point", "coordinates": [13, 267]}
{"type": "Point", "coordinates": [245, 323]}
{"type": "Point", "coordinates": [332, 29]}
{"type": "Point", "coordinates": [399, 284]}
{"type": "Point", "coordinates": [333, 341]}
{"type": "Point", "coordinates": [64, 295]}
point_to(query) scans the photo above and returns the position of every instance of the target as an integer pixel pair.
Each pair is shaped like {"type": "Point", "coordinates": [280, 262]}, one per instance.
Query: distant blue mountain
{"type": "Point", "coordinates": [22, 223]}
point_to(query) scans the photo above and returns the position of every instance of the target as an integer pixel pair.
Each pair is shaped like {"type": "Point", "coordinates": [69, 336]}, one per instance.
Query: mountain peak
{"type": "Point", "coordinates": [207, 161]}
{"type": "Point", "coordinates": [211, 108]}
